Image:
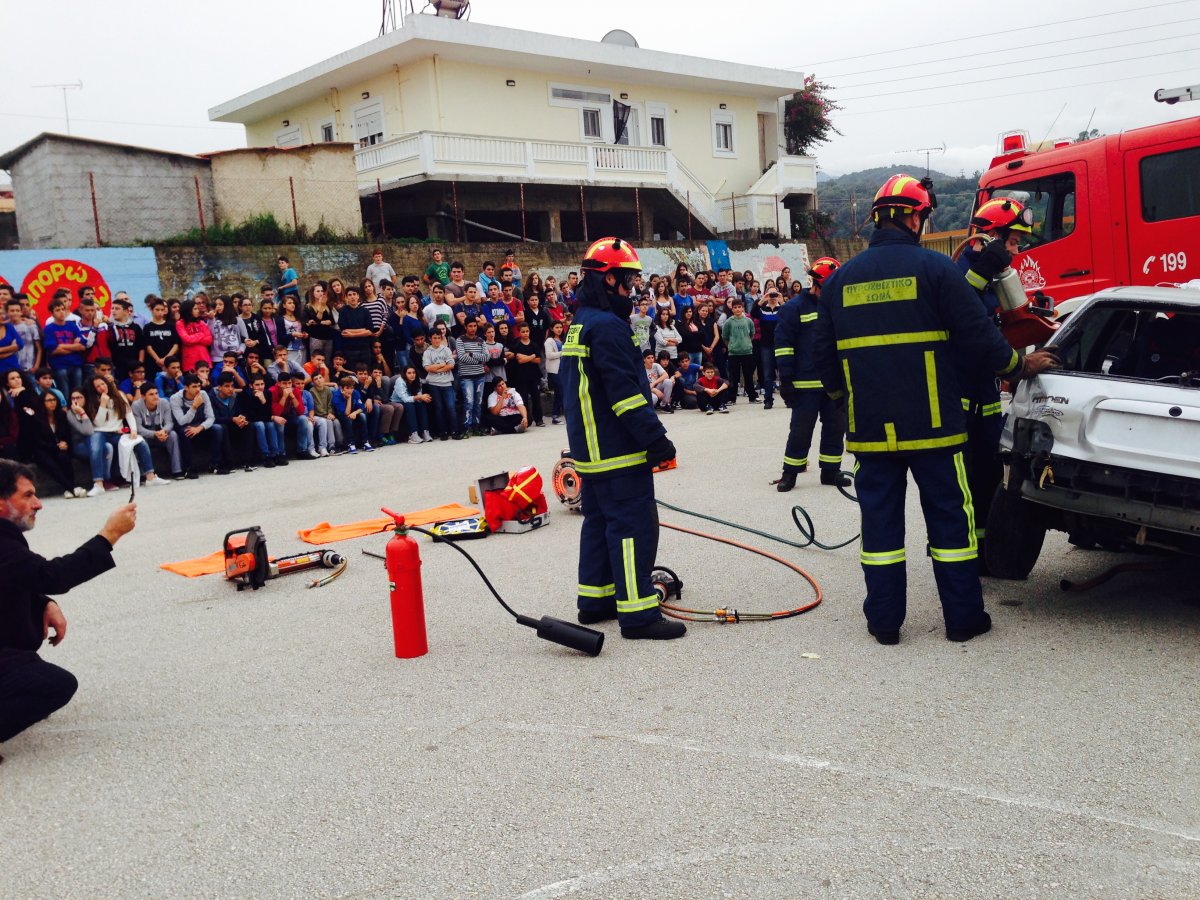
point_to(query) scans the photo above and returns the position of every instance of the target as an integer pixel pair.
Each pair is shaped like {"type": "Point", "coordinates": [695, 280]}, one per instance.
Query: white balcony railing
{"type": "Point", "coordinates": [434, 154]}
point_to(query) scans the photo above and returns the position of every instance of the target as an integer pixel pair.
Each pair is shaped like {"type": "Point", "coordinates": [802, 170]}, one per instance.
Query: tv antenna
{"type": "Point", "coordinates": [77, 86]}
{"type": "Point", "coordinates": [393, 15]}
{"type": "Point", "coordinates": [395, 10]}
{"type": "Point", "coordinates": [927, 151]}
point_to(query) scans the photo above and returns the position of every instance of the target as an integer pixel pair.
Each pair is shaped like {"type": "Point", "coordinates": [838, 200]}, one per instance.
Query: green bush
{"type": "Point", "coordinates": [260, 230]}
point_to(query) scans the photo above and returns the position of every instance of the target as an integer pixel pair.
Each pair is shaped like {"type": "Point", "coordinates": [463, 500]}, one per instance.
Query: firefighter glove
{"type": "Point", "coordinates": [787, 392]}
{"type": "Point", "coordinates": [993, 260]}
{"type": "Point", "coordinates": [660, 451]}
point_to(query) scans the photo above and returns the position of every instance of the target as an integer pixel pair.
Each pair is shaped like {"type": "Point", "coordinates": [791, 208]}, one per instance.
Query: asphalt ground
{"type": "Point", "coordinates": [269, 744]}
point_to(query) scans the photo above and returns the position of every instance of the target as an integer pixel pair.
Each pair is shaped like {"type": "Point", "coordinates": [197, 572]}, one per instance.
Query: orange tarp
{"type": "Point", "coordinates": [324, 533]}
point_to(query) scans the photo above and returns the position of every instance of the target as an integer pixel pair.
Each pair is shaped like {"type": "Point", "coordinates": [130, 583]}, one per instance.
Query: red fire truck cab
{"type": "Point", "coordinates": [1115, 210]}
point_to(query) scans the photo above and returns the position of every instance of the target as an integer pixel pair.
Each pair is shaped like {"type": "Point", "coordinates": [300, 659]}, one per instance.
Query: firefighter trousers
{"type": "Point", "coordinates": [807, 407]}
{"type": "Point", "coordinates": [984, 469]}
{"type": "Point", "coordinates": [617, 547]}
{"type": "Point", "coordinates": [881, 480]}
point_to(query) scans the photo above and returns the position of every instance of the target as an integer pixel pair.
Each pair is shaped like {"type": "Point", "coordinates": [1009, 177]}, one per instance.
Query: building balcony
{"type": "Point", "coordinates": [438, 156]}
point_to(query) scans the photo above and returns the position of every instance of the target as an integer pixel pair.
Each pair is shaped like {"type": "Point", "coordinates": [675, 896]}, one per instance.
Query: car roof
{"type": "Point", "coordinates": [1173, 295]}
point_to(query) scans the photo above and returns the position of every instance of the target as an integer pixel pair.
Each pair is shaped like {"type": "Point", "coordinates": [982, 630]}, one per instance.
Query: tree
{"type": "Point", "coordinates": [806, 118]}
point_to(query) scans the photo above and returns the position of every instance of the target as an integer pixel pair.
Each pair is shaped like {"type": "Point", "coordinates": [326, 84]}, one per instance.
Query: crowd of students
{"type": "Point", "coordinates": [347, 365]}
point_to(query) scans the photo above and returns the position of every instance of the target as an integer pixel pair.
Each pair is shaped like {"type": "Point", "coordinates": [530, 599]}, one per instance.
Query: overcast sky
{"type": "Point", "coordinates": [910, 75]}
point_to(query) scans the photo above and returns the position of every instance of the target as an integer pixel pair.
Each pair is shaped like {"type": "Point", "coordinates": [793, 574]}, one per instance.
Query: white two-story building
{"type": "Point", "coordinates": [471, 131]}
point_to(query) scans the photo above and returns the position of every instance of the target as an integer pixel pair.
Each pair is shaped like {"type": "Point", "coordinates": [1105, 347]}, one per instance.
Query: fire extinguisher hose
{"type": "Point", "coordinates": [441, 540]}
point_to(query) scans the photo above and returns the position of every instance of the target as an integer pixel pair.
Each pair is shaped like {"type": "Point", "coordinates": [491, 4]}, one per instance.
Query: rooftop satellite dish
{"type": "Point", "coordinates": [619, 37]}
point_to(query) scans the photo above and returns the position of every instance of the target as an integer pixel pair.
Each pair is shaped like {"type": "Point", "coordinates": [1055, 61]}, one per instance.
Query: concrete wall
{"type": "Point", "coordinates": [250, 182]}
{"type": "Point", "coordinates": [228, 269]}
{"type": "Point", "coordinates": [435, 95]}
{"type": "Point", "coordinates": [140, 196]}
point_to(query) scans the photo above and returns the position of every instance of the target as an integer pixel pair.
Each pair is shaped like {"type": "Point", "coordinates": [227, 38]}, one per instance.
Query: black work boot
{"type": "Point", "coordinates": [835, 478]}
{"type": "Point", "coordinates": [983, 626]}
{"type": "Point", "coordinates": [887, 638]}
{"type": "Point", "coordinates": [662, 630]}
{"type": "Point", "coordinates": [591, 617]}
{"type": "Point", "coordinates": [786, 481]}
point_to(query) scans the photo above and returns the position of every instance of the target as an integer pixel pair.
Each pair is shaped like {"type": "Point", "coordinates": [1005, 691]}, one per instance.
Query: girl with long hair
{"type": "Point", "coordinates": [553, 358]}
{"type": "Point", "coordinates": [318, 321]}
{"type": "Point", "coordinates": [291, 330]}
{"type": "Point", "coordinates": [690, 337]}
{"type": "Point", "coordinates": [229, 332]}
{"type": "Point", "coordinates": [666, 336]}
{"type": "Point", "coordinates": [51, 444]}
{"type": "Point", "coordinates": [533, 286]}
{"type": "Point", "coordinates": [663, 298]}
{"type": "Point", "coordinates": [410, 392]}
{"type": "Point", "coordinates": [195, 338]}
{"type": "Point", "coordinates": [109, 413]}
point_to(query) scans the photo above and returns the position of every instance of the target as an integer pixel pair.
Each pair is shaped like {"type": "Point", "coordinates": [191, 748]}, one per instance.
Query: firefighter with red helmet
{"type": "Point", "coordinates": [891, 323]}
{"type": "Point", "coordinates": [1003, 220]}
{"type": "Point", "coordinates": [615, 440]}
{"type": "Point", "coordinates": [801, 389]}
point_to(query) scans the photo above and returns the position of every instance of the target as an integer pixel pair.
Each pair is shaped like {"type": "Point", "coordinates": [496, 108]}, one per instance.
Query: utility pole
{"type": "Point", "coordinates": [77, 86]}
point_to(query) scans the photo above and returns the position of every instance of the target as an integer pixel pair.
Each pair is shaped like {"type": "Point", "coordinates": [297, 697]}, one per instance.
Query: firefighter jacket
{"type": "Point", "coordinates": [892, 322]}
{"type": "Point", "coordinates": [981, 389]}
{"type": "Point", "coordinates": [610, 419]}
{"type": "Point", "coordinates": [795, 330]}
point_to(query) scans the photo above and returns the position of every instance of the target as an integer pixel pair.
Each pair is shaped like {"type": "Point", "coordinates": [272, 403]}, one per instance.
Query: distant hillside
{"type": "Point", "coordinates": [956, 196]}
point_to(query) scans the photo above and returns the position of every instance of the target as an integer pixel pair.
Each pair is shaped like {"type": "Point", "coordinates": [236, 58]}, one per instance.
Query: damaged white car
{"type": "Point", "coordinates": [1107, 448]}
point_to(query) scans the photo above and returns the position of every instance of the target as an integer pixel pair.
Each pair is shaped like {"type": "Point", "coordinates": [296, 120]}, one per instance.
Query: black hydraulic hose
{"type": "Point", "coordinates": [800, 516]}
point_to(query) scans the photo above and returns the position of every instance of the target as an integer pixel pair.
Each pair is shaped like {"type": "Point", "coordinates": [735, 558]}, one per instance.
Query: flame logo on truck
{"type": "Point", "coordinates": [1030, 274]}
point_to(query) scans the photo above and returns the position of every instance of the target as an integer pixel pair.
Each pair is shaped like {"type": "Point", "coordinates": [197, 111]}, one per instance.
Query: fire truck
{"type": "Point", "coordinates": [1117, 210]}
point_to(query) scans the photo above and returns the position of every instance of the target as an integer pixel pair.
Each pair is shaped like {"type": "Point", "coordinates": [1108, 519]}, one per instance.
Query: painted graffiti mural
{"type": "Point", "coordinates": [39, 273]}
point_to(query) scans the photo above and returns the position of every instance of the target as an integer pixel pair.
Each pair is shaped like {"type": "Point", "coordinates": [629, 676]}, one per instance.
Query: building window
{"type": "Point", "coordinates": [368, 124]}
{"type": "Point", "coordinates": [725, 137]}
{"type": "Point", "coordinates": [591, 125]}
{"type": "Point", "coordinates": [658, 131]}
{"type": "Point", "coordinates": [327, 133]}
{"type": "Point", "coordinates": [289, 137]}
{"type": "Point", "coordinates": [569, 96]}
{"type": "Point", "coordinates": [723, 130]}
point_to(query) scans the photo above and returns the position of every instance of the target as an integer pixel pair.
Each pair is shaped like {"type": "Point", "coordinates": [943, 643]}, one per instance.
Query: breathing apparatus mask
{"type": "Point", "coordinates": [620, 304]}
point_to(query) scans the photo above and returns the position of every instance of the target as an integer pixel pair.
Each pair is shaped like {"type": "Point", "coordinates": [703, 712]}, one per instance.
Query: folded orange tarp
{"type": "Point", "coordinates": [327, 534]}
{"type": "Point", "coordinates": [324, 533]}
{"type": "Point", "coordinates": [203, 565]}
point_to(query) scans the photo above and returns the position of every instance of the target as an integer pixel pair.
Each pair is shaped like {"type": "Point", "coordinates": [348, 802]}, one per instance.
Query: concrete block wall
{"type": "Point", "coordinates": [228, 269]}
{"type": "Point", "coordinates": [140, 196]}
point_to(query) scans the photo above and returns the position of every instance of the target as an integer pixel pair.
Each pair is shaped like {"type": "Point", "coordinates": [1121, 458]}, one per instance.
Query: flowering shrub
{"type": "Point", "coordinates": [806, 118]}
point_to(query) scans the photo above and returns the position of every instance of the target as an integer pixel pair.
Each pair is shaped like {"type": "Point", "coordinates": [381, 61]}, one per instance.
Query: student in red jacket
{"type": "Point", "coordinates": [194, 336]}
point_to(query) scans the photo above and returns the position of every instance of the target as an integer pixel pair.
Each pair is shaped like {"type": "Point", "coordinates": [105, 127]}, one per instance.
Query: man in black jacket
{"type": "Point", "coordinates": [31, 688]}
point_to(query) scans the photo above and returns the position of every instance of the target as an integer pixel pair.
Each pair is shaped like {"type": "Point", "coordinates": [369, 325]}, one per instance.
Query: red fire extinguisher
{"type": "Point", "coordinates": [408, 599]}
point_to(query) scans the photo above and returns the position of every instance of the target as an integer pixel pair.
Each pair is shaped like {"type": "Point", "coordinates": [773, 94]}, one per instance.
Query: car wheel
{"type": "Point", "coordinates": [1015, 533]}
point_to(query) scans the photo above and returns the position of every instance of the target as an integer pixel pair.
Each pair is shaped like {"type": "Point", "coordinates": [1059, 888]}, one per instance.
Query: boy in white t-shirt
{"type": "Point", "coordinates": [505, 413]}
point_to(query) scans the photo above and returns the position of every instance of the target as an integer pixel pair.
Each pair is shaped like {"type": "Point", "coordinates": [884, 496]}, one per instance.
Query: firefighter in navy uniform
{"type": "Point", "coordinates": [1005, 220]}
{"type": "Point", "coordinates": [801, 389]}
{"type": "Point", "coordinates": [892, 322]}
{"type": "Point", "coordinates": [615, 439]}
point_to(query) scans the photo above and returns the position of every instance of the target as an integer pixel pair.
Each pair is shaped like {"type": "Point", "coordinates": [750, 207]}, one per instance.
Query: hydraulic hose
{"type": "Point", "coordinates": [800, 516]}
{"type": "Point", "coordinates": [729, 615]}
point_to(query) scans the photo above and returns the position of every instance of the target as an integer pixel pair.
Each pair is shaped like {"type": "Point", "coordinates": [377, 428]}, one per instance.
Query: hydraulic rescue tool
{"type": "Point", "coordinates": [247, 562]}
